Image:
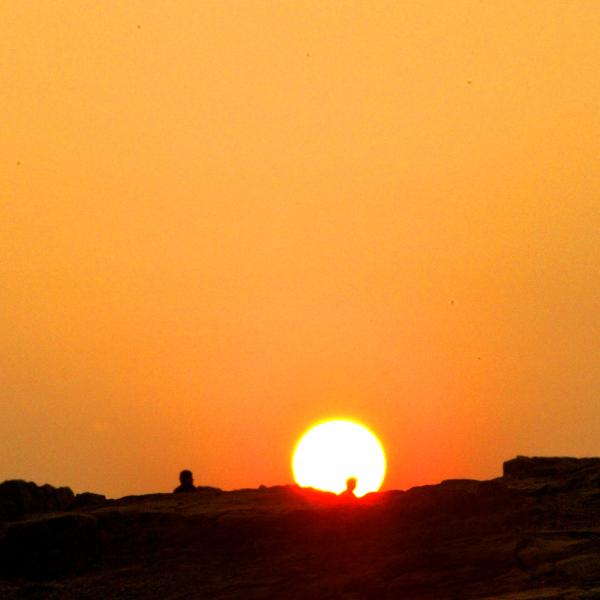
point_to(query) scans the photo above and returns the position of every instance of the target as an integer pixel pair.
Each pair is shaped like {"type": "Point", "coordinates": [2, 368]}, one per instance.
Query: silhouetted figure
{"type": "Point", "coordinates": [350, 487]}
{"type": "Point", "coordinates": [187, 482]}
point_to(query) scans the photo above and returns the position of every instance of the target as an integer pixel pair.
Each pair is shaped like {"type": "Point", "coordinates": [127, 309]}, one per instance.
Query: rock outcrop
{"type": "Point", "coordinates": [48, 546]}
{"type": "Point", "coordinates": [548, 467]}
{"type": "Point", "coordinates": [533, 533]}
{"type": "Point", "coordinates": [87, 500]}
{"type": "Point", "coordinates": [19, 498]}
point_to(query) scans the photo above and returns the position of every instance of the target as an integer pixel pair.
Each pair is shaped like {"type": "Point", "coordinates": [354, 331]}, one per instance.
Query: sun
{"type": "Point", "coordinates": [331, 452]}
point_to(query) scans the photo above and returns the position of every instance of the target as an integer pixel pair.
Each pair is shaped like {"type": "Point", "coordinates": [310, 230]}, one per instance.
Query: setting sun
{"type": "Point", "coordinates": [331, 452]}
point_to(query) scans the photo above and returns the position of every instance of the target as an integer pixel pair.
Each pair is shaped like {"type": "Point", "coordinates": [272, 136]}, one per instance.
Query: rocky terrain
{"type": "Point", "coordinates": [532, 533]}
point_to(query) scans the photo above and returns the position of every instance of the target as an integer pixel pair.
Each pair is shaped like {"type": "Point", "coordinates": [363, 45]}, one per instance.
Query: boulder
{"type": "Point", "coordinates": [19, 498]}
{"type": "Point", "coordinates": [87, 500]}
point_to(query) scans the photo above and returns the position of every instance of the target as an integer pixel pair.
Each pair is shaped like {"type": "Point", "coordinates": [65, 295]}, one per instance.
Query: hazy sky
{"type": "Point", "coordinates": [221, 221]}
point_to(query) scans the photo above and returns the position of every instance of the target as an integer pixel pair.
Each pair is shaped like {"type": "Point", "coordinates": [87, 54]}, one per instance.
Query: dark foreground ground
{"type": "Point", "coordinates": [534, 533]}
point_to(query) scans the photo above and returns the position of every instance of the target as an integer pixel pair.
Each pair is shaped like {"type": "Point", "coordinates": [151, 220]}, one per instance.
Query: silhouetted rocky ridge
{"type": "Point", "coordinates": [532, 533]}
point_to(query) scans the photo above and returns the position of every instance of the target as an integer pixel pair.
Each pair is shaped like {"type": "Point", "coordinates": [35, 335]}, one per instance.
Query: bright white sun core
{"type": "Point", "coordinates": [332, 452]}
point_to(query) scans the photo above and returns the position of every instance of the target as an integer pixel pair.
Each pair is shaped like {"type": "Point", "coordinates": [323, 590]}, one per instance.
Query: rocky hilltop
{"type": "Point", "coordinates": [532, 533]}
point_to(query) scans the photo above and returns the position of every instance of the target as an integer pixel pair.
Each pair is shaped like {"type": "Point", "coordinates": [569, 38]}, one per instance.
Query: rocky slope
{"type": "Point", "coordinates": [533, 533]}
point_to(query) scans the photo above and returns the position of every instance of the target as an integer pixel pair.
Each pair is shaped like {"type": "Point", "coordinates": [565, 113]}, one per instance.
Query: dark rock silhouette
{"type": "Point", "coordinates": [48, 546]}
{"type": "Point", "coordinates": [533, 533]}
{"type": "Point", "coordinates": [525, 467]}
{"type": "Point", "coordinates": [18, 498]}
{"type": "Point", "coordinates": [87, 500]}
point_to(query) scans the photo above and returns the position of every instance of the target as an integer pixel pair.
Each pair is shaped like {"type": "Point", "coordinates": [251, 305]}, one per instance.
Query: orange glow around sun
{"type": "Point", "coordinates": [331, 452]}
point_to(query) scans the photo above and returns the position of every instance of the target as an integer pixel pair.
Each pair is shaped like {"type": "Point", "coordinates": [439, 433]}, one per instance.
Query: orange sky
{"type": "Point", "coordinates": [222, 221]}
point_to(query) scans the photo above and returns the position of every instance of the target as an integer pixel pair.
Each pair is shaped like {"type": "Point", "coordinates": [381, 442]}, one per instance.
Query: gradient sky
{"type": "Point", "coordinates": [221, 221]}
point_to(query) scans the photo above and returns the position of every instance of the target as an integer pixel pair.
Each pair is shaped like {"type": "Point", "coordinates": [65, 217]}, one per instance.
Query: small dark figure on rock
{"type": "Point", "coordinates": [186, 479]}
{"type": "Point", "coordinates": [348, 493]}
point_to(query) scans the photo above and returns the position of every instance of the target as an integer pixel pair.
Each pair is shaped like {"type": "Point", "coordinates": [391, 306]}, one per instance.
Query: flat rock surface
{"type": "Point", "coordinates": [533, 533]}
